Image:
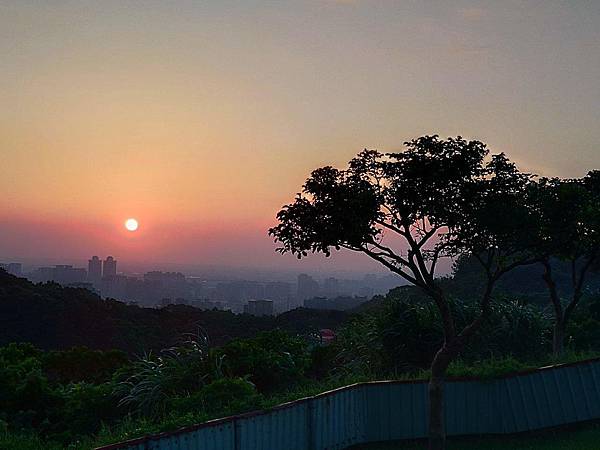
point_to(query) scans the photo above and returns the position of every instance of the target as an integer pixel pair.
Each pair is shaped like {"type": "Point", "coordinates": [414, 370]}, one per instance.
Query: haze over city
{"type": "Point", "coordinates": [200, 120]}
{"type": "Point", "coordinates": [299, 225]}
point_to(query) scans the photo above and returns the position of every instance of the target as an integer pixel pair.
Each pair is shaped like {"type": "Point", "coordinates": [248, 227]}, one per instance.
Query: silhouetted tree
{"type": "Point", "coordinates": [439, 198]}
{"type": "Point", "coordinates": [568, 231]}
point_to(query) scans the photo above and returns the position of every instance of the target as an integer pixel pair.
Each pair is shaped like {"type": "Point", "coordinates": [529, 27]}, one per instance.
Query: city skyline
{"type": "Point", "coordinates": [383, 213]}
{"type": "Point", "coordinates": [200, 124]}
{"type": "Point", "coordinates": [158, 289]}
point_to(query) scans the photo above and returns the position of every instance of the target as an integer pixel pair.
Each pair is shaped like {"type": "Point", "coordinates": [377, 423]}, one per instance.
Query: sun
{"type": "Point", "coordinates": [131, 224]}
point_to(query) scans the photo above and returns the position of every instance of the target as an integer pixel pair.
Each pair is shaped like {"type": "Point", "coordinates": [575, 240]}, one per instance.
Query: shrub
{"type": "Point", "coordinates": [82, 364]}
{"type": "Point", "coordinates": [151, 380]}
{"type": "Point", "coordinates": [270, 360]}
{"type": "Point", "coordinates": [85, 408]}
{"type": "Point", "coordinates": [25, 395]}
{"type": "Point", "coordinates": [224, 396]}
{"type": "Point", "coordinates": [514, 328]}
{"type": "Point", "coordinates": [403, 334]}
{"type": "Point", "coordinates": [486, 369]}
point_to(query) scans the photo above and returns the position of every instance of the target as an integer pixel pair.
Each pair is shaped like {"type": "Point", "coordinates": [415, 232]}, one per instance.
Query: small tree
{"type": "Point", "coordinates": [568, 231]}
{"type": "Point", "coordinates": [438, 198]}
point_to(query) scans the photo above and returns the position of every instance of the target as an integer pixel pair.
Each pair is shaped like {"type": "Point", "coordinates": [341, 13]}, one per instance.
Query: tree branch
{"type": "Point", "coordinates": [484, 306]}
{"type": "Point", "coordinates": [390, 253]}
{"type": "Point", "coordinates": [554, 297]}
{"type": "Point", "coordinates": [415, 252]}
{"type": "Point", "coordinates": [379, 258]}
{"type": "Point", "coordinates": [391, 227]}
{"type": "Point", "coordinates": [578, 288]}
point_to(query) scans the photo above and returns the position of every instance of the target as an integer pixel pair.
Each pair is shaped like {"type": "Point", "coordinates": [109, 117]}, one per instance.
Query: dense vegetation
{"type": "Point", "coordinates": [450, 198]}
{"type": "Point", "coordinates": [53, 317]}
{"type": "Point", "coordinates": [80, 397]}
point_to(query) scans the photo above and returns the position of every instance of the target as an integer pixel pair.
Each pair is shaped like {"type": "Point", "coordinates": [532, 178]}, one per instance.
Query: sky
{"type": "Point", "coordinates": [202, 118]}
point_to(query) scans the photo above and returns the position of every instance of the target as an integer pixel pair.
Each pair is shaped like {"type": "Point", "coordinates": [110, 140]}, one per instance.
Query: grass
{"type": "Point", "coordinates": [581, 437]}
{"type": "Point", "coordinates": [130, 428]}
{"type": "Point", "coordinates": [11, 441]}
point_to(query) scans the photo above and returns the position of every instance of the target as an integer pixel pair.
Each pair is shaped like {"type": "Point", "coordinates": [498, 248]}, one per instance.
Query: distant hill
{"type": "Point", "coordinates": [54, 317]}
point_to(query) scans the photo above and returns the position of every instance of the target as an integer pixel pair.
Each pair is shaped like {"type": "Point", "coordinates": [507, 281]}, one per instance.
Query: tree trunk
{"type": "Point", "coordinates": [558, 338]}
{"type": "Point", "coordinates": [560, 317]}
{"type": "Point", "coordinates": [437, 431]}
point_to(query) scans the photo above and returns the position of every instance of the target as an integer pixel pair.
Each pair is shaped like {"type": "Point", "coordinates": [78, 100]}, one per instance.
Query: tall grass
{"type": "Point", "coordinates": [586, 437]}
{"type": "Point", "coordinates": [134, 427]}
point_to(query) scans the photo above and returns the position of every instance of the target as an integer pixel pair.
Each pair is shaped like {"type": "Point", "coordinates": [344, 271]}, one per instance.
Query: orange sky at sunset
{"type": "Point", "coordinates": [202, 120]}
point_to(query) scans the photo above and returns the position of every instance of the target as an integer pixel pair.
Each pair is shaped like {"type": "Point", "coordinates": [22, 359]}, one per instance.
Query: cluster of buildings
{"type": "Point", "coordinates": [259, 307]}
{"type": "Point", "coordinates": [334, 293]}
{"type": "Point", "coordinates": [15, 269]}
{"type": "Point", "coordinates": [67, 275]}
{"type": "Point", "coordinates": [98, 269]}
{"type": "Point", "coordinates": [160, 289]}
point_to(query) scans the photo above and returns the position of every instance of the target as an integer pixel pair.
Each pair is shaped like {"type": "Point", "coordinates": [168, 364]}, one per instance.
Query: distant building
{"type": "Point", "coordinates": [109, 267]}
{"type": "Point", "coordinates": [63, 274]}
{"type": "Point", "coordinates": [259, 307]}
{"type": "Point", "coordinates": [12, 268]}
{"type": "Point", "coordinates": [168, 284]}
{"type": "Point", "coordinates": [331, 287]}
{"type": "Point", "coordinates": [308, 287]}
{"type": "Point", "coordinates": [164, 277]}
{"type": "Point", "coordinates": [67, 274]}
{"type": "Point", "coordinates": [94, 270]}
{"type": "Point", "coordinates": [114, 286]}
{"type": "Point", "coordinates": [42, 274]}
{"type": "Point", "coordinates": [278, 290]}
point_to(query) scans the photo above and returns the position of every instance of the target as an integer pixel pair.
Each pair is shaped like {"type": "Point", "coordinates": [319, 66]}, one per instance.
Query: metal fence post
{"type": "Point", "coordinates": [237, 435]}
{"type": "Point", "coordinates": [310, 424]}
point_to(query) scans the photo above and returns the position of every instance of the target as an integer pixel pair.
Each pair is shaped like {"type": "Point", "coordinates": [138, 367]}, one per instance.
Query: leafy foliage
{"type": "Point", "coordinates": [80, 364]}
{"type": "Point", "coordinates": [192, 381]}
{"type": "Point", "coordinates": [436, 188]}
{"type": "Point", "coordinates": [53, 317]}
{"type": "Point", "coordinates": [403, 334]}
{"type": "Point", "coordinates": [270, 360]}
{"type": "Point", "coordinates": [221, 396]}
{"type": "Point", "coordinates": [151, 380]}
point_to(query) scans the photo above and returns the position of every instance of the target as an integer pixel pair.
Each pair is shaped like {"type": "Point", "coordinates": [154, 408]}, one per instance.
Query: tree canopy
{"type": "Point", "coordinates": [437, 198]}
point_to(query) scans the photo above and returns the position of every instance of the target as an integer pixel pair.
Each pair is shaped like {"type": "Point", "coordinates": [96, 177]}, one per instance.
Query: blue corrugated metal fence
{"type": "Point", "coordinates": [393, 410]}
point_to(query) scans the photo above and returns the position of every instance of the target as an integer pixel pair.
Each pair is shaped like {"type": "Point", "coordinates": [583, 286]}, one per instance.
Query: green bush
{"type": "Point", "coordinates": [513, 328]}
{"type": "Point", "coordinates": [486, 369]}
{"type": "Point", "coordinates": [227, 396]}
{"type": "Point", "coordinates": [82, 364]}
{"type": "Point", "coordinates": [583, 330]}
{"type": "Point", "coordinates": [403, 334]}
{"type": "Point", "coordinates": [85, 408]}
{"type": "Point", "coordinates": [20, 441]}
{"type": "Point", "coordinates": [25, 394]}
{"type": "Point", "coordinates": [271, 360]}
{"type": "Point", "coordinates": [322, 361]}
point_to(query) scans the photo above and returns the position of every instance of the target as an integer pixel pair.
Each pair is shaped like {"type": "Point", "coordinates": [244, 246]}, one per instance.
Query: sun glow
{"type": "Point", "coordinates": [131, 224]}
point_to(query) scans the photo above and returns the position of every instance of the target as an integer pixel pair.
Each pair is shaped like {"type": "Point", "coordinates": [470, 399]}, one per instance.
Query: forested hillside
{"type": "Point", "coordinates": [54, 317]}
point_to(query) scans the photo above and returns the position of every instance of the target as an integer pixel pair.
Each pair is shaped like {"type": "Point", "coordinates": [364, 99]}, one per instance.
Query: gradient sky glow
{"type": "Point", "coordinates": [201, 118]}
